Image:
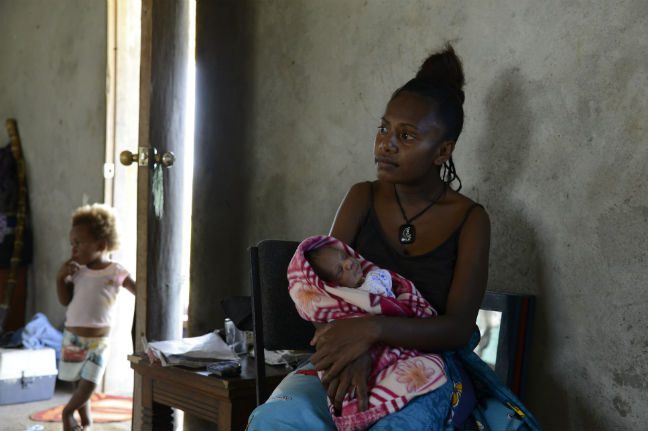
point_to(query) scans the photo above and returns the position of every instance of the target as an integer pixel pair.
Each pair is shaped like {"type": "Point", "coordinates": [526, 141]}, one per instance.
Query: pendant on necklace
{"type": "Point", "coordinates": [406, 234]}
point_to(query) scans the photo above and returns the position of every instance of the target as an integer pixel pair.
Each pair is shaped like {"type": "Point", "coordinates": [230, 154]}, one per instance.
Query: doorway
{"type": "Point", "coordinates": [120, 190]}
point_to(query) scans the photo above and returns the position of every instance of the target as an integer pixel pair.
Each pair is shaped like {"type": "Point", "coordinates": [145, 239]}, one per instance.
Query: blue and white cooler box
{"type": "Point", "coordinates": [27, 375]}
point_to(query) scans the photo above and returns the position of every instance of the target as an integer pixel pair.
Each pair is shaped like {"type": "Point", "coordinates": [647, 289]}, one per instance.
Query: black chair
{"type": "Point", "coordinates": [514, 337]}
{"type": "Point", "coordinates": [277, 326]}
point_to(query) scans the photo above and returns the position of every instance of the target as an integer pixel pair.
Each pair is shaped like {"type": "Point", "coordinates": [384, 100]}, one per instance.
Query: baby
{"type": "Point", "coordinates": [335, 266]}
{"type": "Point", "coordinates": [325, 279]}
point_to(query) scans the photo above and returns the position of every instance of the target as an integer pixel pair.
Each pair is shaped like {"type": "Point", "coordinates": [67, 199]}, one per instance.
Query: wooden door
{"type": "Point", "coordinates": [164, 55]}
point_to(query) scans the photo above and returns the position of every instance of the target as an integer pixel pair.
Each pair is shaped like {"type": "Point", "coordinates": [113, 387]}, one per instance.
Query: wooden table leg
{"type": "Point", "coordinates": [162, 417]}
{"type": "Point", "coordinates": [138, 405]}
{"type": "Point", "coordinates": [150, 416]}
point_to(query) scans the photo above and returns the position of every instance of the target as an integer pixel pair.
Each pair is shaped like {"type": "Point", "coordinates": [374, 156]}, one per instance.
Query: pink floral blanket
{"type": "Point", "coordinates": [398, 375]}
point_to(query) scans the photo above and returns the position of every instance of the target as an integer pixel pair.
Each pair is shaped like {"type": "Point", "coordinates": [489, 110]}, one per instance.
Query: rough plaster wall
{"type": "Point", "coordinates": [554, 146]}
{"type": "Point", "coordinates": [52, 80]}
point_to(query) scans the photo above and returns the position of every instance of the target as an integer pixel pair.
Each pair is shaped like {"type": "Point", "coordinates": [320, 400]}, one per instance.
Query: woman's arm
{"type": "Point", "coordinates": [342, 341]}
{"type": "Point", "coordinates": [348, 218]}
{"type": "Point", "coordinates": [351, 213]}
{"type": "Point", "coordinates": [353, 376]}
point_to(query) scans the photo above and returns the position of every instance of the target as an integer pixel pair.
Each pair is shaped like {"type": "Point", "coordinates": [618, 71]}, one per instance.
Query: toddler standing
{"type": "Point", "coordinates": [88, 284]}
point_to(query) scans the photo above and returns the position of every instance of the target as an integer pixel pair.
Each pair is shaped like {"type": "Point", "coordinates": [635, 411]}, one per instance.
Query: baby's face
{"type": "Point", "coordinates": [337, 267]}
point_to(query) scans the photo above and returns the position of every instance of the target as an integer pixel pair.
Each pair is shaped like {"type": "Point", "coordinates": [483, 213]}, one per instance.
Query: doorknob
{"type": "Point", "coordinates": [127, 158]}
{"type": "Point", "coordinates": [166, 159]}
{"type": "Point", "coordinates": [142, 157]}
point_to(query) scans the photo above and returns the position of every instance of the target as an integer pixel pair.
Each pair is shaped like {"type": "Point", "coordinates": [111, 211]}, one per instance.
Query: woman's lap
{"type": "Point", "coordinates": [426, 412]}
{"type": "Point", "coordinates": [299, 403]}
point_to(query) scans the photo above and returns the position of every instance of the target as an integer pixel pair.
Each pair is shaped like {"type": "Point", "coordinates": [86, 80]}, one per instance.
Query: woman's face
{"type": "Point", "coordinates": [408, 141]}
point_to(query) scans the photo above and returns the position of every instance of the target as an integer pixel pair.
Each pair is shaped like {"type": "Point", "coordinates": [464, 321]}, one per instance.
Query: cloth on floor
{"type": "Point", "coordinates": [39, 332]}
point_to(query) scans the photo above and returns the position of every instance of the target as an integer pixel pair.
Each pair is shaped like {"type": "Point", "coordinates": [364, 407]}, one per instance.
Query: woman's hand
{"type": "Point", "coordinates": [352, 379]}
{"type": "Point", "coordinates": [342, 341]}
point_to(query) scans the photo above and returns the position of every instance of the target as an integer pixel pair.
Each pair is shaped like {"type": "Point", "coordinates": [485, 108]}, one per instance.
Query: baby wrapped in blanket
{"type": "Point", "coordinates": [328, 280]}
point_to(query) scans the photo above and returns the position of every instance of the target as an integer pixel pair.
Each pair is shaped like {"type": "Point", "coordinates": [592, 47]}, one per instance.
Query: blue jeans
{"type": "Point", "coordinates": [299, 403]}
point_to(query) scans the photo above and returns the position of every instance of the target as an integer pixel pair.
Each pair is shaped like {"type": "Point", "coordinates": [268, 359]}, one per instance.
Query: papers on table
{"type": "Point", "coordinates": [290, 358]}
{"type": "Point", "coordinates": [194, 352]}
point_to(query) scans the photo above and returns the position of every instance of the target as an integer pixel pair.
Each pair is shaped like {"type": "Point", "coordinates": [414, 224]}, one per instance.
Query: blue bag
{"type": "Point", "coordinates": [498, 408]}
{"type": "Point", "coordinates": [493, 415]}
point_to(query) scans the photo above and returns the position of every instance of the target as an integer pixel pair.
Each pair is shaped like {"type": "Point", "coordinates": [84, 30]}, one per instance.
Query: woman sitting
{"type": "Point", "coordinates": [413, 222]}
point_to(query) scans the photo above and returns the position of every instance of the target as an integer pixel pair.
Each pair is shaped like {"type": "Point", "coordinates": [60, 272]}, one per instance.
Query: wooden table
{"type": "Point", "coordinates": [226, 402]}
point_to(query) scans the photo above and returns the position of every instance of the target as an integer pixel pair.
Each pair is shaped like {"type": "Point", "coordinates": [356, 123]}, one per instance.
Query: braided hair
{"type": "Point", "coordinates": [441, 80]}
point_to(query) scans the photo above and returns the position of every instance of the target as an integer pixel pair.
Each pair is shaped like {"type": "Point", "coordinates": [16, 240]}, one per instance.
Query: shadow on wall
{"type": "Point", "coordinates": [516, 260]}
{"type": "Point", "coordinates": [519, 260]}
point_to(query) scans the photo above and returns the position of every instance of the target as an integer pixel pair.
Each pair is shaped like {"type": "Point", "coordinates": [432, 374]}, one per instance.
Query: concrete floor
{"type": "Point", "coordinates": [15, 417]}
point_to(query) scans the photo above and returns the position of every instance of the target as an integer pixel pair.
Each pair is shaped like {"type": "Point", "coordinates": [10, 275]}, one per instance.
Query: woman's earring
{"type": "Point", "coordinates": [449, 173]}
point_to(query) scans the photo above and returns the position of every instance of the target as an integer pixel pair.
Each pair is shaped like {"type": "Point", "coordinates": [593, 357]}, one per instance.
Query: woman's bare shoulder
{"type": "Point", "coordinates": [474, 219]}
{"type": "Point", "coordinates": [361, 188]}
{"type": "Point", "coordinates": [466, 211]}
{"type": "Point", "coordinates": [459, 198]}
{"type": "Point", "coordinates": [358, 197]}
{"type": "Point", "coordinates": [352, 211]}
{"type": "Point", "coordinates": [463, 202]}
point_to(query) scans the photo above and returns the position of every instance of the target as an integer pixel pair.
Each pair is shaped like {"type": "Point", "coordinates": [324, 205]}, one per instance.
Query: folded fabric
{"type": "Point", "coordinates": [398, 375]}
{"type": "Point", "coordinates": [378, 282]}
{"type": "Point", "coordinates": [39, 332]}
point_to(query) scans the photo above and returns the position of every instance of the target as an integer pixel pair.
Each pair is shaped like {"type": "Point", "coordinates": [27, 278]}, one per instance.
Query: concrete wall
{"type": "Point", "coordinates": [555, 147]}
{"type": "Point", "coordinates": [52, 80]}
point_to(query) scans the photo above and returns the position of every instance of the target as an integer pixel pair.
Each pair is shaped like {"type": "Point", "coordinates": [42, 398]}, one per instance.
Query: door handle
{"type": "Point", "coordinates": [143, 157]}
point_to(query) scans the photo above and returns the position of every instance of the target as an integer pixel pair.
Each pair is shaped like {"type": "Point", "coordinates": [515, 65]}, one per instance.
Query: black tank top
{"type": "Point", "coordinates": [431, 272]}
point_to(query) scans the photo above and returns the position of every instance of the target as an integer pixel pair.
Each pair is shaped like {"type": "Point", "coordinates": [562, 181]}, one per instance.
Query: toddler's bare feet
{"type": "Point", "coordinates": [84, 414]}
{"type": "Point", "coordinates": [69, 423]}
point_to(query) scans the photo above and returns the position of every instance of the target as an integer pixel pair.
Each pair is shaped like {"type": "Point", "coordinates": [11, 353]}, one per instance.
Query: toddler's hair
{"type": "Point", "coordinates": [101, 221]}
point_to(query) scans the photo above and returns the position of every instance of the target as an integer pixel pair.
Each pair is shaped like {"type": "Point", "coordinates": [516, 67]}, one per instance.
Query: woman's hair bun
{"type": "Point", "coordinates": [441, 80]}
{"type": "Point", "coordinates": [444, 68]}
